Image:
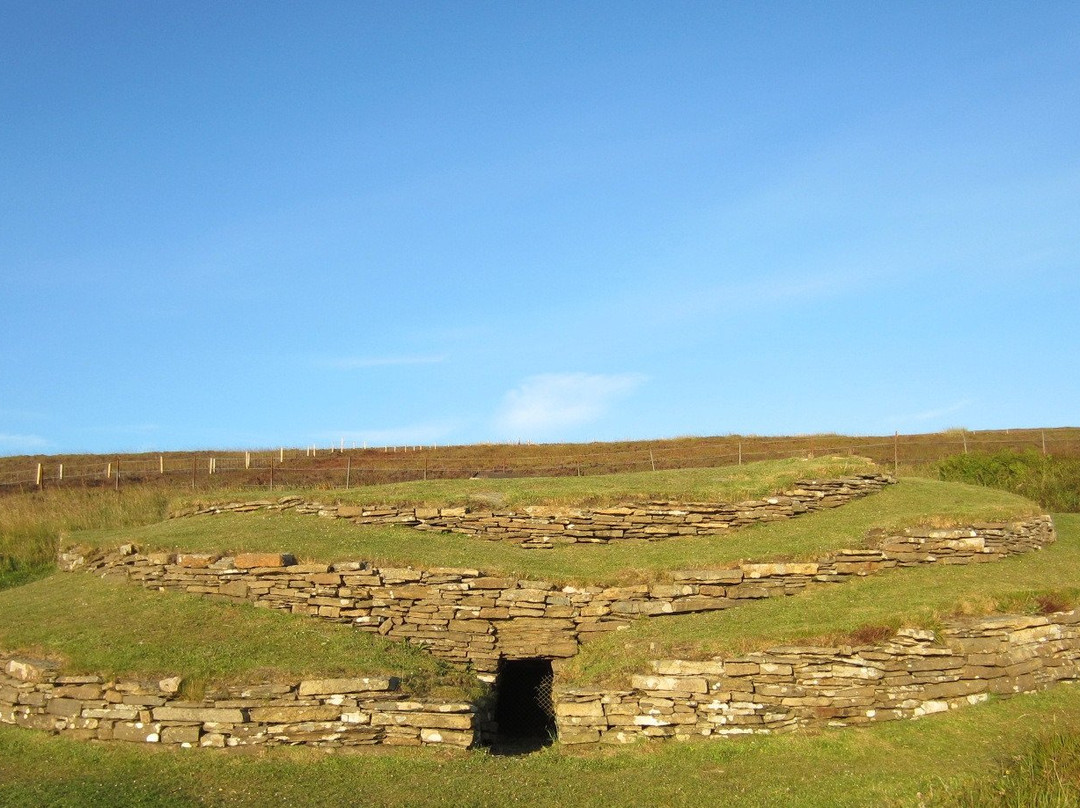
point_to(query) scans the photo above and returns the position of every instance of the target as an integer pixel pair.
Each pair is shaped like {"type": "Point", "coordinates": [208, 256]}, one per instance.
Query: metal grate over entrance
{"type": "Point", "coordinates": [524, 709]}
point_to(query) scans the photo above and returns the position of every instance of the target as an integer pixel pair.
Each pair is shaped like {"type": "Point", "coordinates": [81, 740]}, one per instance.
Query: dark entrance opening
{"type": "Point", "coordinates": [524, 710]}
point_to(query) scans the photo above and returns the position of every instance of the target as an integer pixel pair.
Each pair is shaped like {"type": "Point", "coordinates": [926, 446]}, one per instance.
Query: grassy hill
{"type": "Point", "coordinates": [1022, 747]}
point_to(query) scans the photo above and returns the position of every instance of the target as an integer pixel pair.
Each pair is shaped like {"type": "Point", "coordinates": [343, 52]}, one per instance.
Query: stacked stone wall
{"type": "Point", "coordinates": [915, 673]}
{"type": "Point", "coordinates": [545, 526]}
{"type": "Point", "coordinates": [317, 712]}
{"type": "Point", "coordinates": [467, 616]}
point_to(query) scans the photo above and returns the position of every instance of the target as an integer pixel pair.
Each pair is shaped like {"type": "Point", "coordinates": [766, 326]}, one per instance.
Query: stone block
{"type": "Point", "coordinates": [181, 735]}
{"type": "Point", "coordinates": [447, 737]}
{"type": "Point", "coordinates": [594, 709]}
{"type": "Point", "coordinates": [78, 691]}
{"type": "Point", "coordinates": [753, 571]}
{"type": "Point", "coordinates": [136, 732]}
{"type": "Point", "coordinates": [120, 712]}
{"type": "Point", "coordinates": [741, 668]}
{"type": "Point", "coordinates": [234, 589]}
{"type": "Point", "coordinates": [682, 667]}
{"type": "Point", "coordinates": [951, 690]}
{"type": "Point", "coordinates": [64, 707]}
{"type": "Point", "coordinates": [292, 715]}
{"type": "Point", "coordinates": [30, 670]}
{"type": "Point", "coordinates": [578, 735]}
{"type": "Point", "coordinates": [699, 603]}
{"type": "Point", "coordinates": [368, 684]}
{"type": "Point", "coordinates": [674, 684]}
{"type": "Point", "coordinates": [459, 721]}
{"type": "Point", "coordinates": [199, 714]}
{"type": "Point", "coordinates": [651, 721]}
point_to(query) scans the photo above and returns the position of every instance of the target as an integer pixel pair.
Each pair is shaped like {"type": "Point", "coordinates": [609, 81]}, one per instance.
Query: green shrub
{"type": "Point", "coordinates": [1053, 482]}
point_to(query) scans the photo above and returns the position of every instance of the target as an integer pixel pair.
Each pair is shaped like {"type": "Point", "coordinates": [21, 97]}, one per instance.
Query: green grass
{"type": "Point", "coordinates": [941, 760]}
{"type": "Point", "coordinates": [1024, 748]}
{"type": "Point", "coordinates": [726, 484]}
{"type": "Point", "coordinates": [913, 501]}
{"type": "Point", "coordinates": [116, 629]}
{"type": "Point", "coordinates": [32, 524]}
{"type": "Point", "coordinates": [920, 597]}
{"type": "Point", "coordinates": [1045, 775]}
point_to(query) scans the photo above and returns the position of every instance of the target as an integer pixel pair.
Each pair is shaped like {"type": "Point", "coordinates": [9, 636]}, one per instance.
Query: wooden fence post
{"type": "Point", "coordinates": [117, 484]}
{"type": "Point", "coordinates": [161, 464]}
{"type": "Point", "coordinates": [38, 480]}
{"type": "Point", "coordinates": [271, 474]}
{"type": "Point", "coordinates": [348, 471]}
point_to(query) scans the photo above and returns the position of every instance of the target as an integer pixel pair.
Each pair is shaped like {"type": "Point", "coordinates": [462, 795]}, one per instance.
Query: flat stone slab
{"type": "Point", "coordinates": [367, 684]}
{"type": "Point", "coordinates": [247, 561]}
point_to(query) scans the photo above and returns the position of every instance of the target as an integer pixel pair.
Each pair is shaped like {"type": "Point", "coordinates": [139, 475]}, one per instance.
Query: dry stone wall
{"type": "Point", "coordinates": [915, 673]}
{"type": "Point", "coordinates": [467, 616]}
{"type": "Point", "coordinates": [544, 526]}
{"type": "Point", "coordinates": [318, 712]}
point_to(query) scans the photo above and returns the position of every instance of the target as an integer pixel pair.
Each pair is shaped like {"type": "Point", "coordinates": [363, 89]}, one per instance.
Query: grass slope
{"type": "Point", "coordinates": [913, 501]}
{"type": "Point", "coordinates": [921, 597]}
{"type": "Point", "coordinates": [1022, 751]}
{"type": "Point", "coordinates": [31, 525]}
{"type": "Point", "coordinates": [725, 484]}
{"type": "Point", "coordinates": [116, 629]}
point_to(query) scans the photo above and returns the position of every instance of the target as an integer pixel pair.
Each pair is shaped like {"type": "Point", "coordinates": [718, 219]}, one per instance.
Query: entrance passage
{"type": "Point", "coordinates": [523, 706]}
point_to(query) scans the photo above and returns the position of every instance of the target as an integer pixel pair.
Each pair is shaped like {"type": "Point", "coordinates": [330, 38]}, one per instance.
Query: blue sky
{"type": "Point", "coordinates": [258, 224]}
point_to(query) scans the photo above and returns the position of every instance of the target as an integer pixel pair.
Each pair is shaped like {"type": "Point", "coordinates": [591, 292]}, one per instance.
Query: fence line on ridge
{"type": "Point", "coordinates": [340, 467]}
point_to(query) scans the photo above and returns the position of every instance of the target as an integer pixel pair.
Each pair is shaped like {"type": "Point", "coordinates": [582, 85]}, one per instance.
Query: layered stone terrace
{"type": "Point", "coordinates": [544, 526]}
{"type": "Point", "coordinates": [466, 616]}
{"type": "Point", "coordinates": [912, 674]}
{"type": "Point", "coordinates": [318, 712]}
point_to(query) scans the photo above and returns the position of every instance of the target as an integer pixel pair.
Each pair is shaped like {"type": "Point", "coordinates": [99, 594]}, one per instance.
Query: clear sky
{"type": "Point", "coordinates": [252, 224]}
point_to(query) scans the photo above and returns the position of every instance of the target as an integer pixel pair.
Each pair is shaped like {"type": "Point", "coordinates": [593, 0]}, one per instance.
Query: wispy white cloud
{"type": "Point", "coordinates": [23, 443]}
{"type": "Point", "coordinates": [552, 401]}
{"type": "Point", "coordinates": [360, 362]}
{"type": "Point", "coordinates": [929, 415]}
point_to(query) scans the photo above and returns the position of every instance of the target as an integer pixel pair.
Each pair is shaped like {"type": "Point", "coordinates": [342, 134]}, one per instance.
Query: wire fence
{"type": "Point", "coordinates": [347, 468]}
